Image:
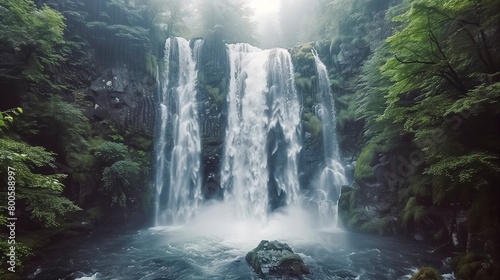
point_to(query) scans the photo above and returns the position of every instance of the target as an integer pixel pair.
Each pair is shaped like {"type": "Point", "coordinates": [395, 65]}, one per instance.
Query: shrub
{"type": "Point", "coordinates": [119, 179]}
{"type": "Point", "coordinates": [110, 152]}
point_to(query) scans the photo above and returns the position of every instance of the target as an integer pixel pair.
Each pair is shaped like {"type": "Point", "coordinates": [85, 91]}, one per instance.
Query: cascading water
{"type": "Point", "coordinates": [161, 140]}
{"type": "Point", "coordinates": [259, 170]}
{"type": "Point", "coordinates": [332, 177]}
{"type": "Point", "coordinates": [262, 142]}
{"type": "Point", "coordinates": [179, 96]}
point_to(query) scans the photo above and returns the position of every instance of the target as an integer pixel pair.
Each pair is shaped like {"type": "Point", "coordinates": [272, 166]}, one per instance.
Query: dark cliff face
{"type": "Point", "coordinates": [213, 86]}
{"type": "Point", "coordinates": [311, 155]}
{"type": "Point", "coordinates": [125, 97]}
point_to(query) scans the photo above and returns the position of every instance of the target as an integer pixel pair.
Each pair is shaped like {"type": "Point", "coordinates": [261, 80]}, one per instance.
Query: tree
{"type": "Point", "coordinates": [40, 192]}
{"type": "Point", "coordinates": [445, 76]}
{"type": "Point", "coordinates": [36, 195]}
{"type": "Point", "coordinates": [169, 15]}
{"type": "Point", "coordinates": [232, 16]}
{"type": "Point", "coordinates": [60, 125]}
{"type": "Point", "coordinates": [28, 37]}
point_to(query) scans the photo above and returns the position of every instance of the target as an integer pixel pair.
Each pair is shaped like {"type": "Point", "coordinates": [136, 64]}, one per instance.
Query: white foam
{"type": "Point", "coordinates": [93, 277]}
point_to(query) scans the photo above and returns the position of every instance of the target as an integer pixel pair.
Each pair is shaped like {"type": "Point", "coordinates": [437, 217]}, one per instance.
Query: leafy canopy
{"type": "Point", "coordinates": [28, 37]}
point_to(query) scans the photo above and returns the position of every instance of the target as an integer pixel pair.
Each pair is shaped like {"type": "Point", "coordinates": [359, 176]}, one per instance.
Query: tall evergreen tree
{"type": "Point", "coordinates": [232, 17]}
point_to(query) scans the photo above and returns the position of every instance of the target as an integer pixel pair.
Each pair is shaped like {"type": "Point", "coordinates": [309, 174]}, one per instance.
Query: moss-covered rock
{"type": "Point", "coordinates": [427, 273]}
{"type": "Point", "coordinates": [273, 260]}
{"type": "Point", "coordinates": [472, 266]}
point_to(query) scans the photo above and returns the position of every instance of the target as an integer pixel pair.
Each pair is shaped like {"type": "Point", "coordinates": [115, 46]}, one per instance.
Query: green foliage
{"type": "Point", "coordinates": [347, 116]}
{"type": "Point", "coordinates": [427, 273]}
{"type": "Point", "coordinates": [313, 125]}
{"type": "Point", "coordinates": [151, 64]}
{"type": "Point", "coordinates": [366, 160]}
{"type": "Point", "coordinates": [413, 214]}
{"type": "Point", "coordinates": [371, 100]}
{"type": "Point", "coordinates": [61, 121]}
{"type": "Point", "coordinates": [110, 152]}
{"type": "Point", "coordinates": [29, 38]}
{"type": "Point", "coordinates": [22, 252]}
{"type": "Point", "coordinates": [304, 83]}
{"type": "Point", "coordinates": [125, 31]}
{"type": "Point", "coordinates": [169, 16]}
{"type": "Point", "coordinates": [6, 117]}
{"type": "Point", "coordinates": [467, 168]}
{"type": "Point", "coordinates": [41, 193]}
{"type": "Point", "coordinates": [477, 100]}
{"type": "Point", "coordinates": [329, 16]}
{"type": "Point", "coordinates": [119, 180]}
{"type": "Point", "coordinates": [140, 142]}
{"type": "Point", "coordinates": [436, 51]}
{"type": "Point", "coordinates": [475, 267]}
{"type": "Point", "coordinates": [357, 218]}
{"type": "Point", "coordinates": [344, 203]}
{"type": "Point", "coordinates": [428, 96]}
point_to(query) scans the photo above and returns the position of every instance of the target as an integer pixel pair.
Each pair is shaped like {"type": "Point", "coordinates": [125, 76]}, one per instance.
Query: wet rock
{"type": "Point", "coordinates": [125, 97]}
{"type": "Point", "coordinates": [273, 259]}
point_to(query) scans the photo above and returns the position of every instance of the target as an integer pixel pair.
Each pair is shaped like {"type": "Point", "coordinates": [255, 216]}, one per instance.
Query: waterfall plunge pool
{"type": "Point", "coordinates": [214, 246]}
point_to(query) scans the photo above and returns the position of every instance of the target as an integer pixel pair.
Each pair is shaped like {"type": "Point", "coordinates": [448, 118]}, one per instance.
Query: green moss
{"type": "Point", "coordinates": [345, 118]}
{"type": "Point", "coordinates": [356, 219]}
{"type": "Point", "coordinates": [352, 198]}
{"type": "Point", "coordinates": [151, 63]}
{"type": "Point", "coordinates": [344, 200]}
{"type": "Point", "coordinates": [95, 142]}
{"type": "Point", "coordinates": [304, 84]}
{"type": "Point", "coordinates": [427, 273]}
{"type": "Point", "coordinates": [413, 213]}
{"type": "Point", "coordinates": [216, 95]}
{"type": "Point", "coordinates": [139, 142]}
{"type": "Point", "coordinates": [378, 226]}
{"type": "Point", "coordinates": [308, 102]}
{"type": "Point", "coordinates": [367, 159]}
{"type": "Point", "coordinates": [344, 100]}
{"type": "Point", "coordinates": [313, 125]}
{"type": "Point", "coordinates": [475, 267]}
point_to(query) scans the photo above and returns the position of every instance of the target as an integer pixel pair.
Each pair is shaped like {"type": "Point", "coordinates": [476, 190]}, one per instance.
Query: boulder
{"type": "Point", "coordinates": [273, 259]}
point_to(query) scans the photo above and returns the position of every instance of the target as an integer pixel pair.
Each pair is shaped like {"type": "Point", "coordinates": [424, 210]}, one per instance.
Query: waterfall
{"type": "Point", "coordinates": [161, 135]}
{"type": "Point", "coordinates": [259, 165]}
{"type": "Point", "coordinates": [331, 178]}
{"type": "Point", "coordinates": [179, 115]}
{"type": "Point", "coordinates": [262, 142]}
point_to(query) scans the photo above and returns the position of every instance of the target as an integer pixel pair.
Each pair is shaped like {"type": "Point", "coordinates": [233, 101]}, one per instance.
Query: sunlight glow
{"type": "Point", "coordinates": [264, 6]}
